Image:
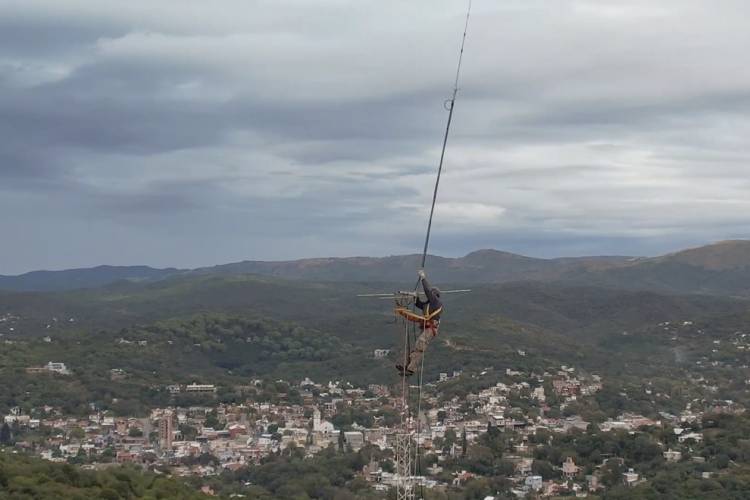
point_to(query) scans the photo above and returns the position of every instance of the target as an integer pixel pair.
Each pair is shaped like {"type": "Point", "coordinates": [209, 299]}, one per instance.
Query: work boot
{"type": "Point", "coordinates": [404, 372]}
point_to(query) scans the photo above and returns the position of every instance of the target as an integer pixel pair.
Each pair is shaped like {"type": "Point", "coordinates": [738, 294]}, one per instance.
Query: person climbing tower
{"type": "Point", "coordinates": [428, 321]}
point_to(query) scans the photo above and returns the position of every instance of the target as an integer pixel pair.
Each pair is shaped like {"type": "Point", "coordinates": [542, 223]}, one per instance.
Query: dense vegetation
{"type": "Point", "coordinates": [227, 330]}
{"type": "Point", "coordinates": [330, 474]}
{"type": "Point", "coordinates": [27, 478]}
{"type": "Point", "coordinates": [223, 350]}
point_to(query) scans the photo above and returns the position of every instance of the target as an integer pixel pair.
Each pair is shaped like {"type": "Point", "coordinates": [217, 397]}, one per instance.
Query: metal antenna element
{"type": "Point", "coordinates": [449, 104]}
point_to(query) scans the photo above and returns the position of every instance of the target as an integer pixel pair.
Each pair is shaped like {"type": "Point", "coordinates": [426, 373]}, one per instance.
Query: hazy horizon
{"type": "Point", "coordinates": [360, 256]}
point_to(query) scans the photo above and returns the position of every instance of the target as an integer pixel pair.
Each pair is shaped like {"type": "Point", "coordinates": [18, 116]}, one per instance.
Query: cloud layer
{"type": "Point", "coordinates": [189, 133]}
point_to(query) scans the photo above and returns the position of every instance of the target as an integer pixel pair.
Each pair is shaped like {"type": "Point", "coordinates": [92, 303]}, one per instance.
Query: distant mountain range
{"type": "Point", "coordinates": [73, 279]}
{"type": "Point", "coordinates": [721, 268]}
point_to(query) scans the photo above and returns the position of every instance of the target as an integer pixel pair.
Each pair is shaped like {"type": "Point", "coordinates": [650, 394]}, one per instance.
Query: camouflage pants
{"type": "Point", "coordinates": [415, 356]}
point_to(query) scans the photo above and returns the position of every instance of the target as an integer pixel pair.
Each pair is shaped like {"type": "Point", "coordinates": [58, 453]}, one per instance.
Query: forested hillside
{"type": "Point", "coordinates": [23, 477]}
{"type": "Point", "coordinates": [229, 330]}
{"type": "Point", "coordinates": [719, 269]}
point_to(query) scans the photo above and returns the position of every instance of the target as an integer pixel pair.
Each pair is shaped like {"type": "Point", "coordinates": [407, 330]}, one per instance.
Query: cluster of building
{"type": "Point", "coordinates": [239, 435]}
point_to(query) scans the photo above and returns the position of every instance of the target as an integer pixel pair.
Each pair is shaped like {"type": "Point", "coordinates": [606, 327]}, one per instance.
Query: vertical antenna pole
{"type": "Point", "coordinates": [450, 104]}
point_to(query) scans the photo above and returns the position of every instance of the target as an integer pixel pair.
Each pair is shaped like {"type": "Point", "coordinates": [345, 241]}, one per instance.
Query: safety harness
{"type": "Point", "coordinates": [419, 318]}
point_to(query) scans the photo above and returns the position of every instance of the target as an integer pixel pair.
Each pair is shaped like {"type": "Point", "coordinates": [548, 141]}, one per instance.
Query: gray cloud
{"type": "Point", "coordinates": [185, 134]}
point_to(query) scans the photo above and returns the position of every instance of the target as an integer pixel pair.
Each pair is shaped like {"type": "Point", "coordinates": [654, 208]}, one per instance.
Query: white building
{"type": "Point", "coordinates": [59, 368]}
{"type": "Point", "coordinates": [320, 425]}
{"type": "Point", "coordinates": [696, 436]}
{"type": "Point", "coordinates": [630, 478]}
{"type": "Point", "coordinates": [200, 388]}
{"type": "Point", "coordinates": [538, 394]}
{"type": "Point", "coordinates": [534, 482]}
{"type": "Point", "coordinates": [354, 439]}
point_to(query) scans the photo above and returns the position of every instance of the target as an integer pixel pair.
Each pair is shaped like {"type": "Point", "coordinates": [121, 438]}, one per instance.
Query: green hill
{"type": "Point", "coordinates": [71, 279]}
{"type": "Point", "coordinates": [24, 477]}
{"type": "Point", "coordinates": [229, 330]}
{"type": "Point", "coordinates": [719, 269]}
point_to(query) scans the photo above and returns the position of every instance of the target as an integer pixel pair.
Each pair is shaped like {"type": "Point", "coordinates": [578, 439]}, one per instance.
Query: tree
{"type": "Point", "coordinates": [477, 489]}
{"type": "Point", "coordinates": [450, 438]}
{"type": "Point", "coordinates": [612, 473]}
{"type": "Point", "coordinates": [5, 434]}
{"type": "Point", "coordinates": [189, 432]}
{"type": "Point", "coordinates": [479, 459]}
{"type": "Point", "coordinates": [544, 468]}
{"type": "Point", "coordinates": [108, 454]}
{"type": "Point", "coordinates": [463, 443]}
{"type": "Point", "coordinates": [77, 433]}
{"type": "Point", "coordinates": [80, 457]}
{"type": "Point", "coordinates": [342, 440]}
{"type": "Point", "coordinates": [212, 420]}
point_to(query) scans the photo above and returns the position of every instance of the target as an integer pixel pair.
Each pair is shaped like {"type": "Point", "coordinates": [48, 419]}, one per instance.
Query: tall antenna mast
{"type": "Point", "coordinates": [408, 437]}
{"type": "Point", "coordinates": [449, 105]}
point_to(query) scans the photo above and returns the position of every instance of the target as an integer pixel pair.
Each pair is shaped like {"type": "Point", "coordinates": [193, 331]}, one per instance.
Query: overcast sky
{"type": "Point", "coordinates": [188, 133]}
